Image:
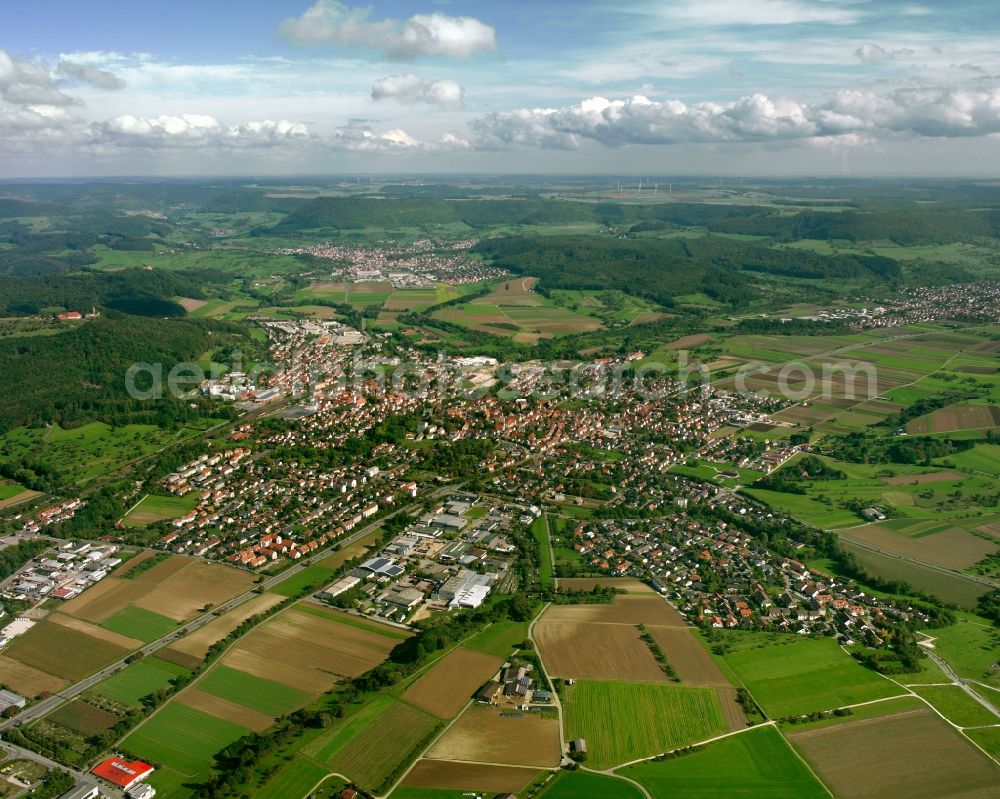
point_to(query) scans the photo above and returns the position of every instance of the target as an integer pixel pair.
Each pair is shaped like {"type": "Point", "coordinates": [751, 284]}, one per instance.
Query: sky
{"type": "Point", "coordinates": [625, 87]}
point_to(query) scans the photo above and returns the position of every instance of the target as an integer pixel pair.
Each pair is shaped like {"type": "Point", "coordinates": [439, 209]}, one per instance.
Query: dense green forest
{"type": "Point", "coordinates": [128, 290]}
{"type": "Point", "coordinates": [660, 269]}
{"type": "Point", "coordinates": [79, 375]}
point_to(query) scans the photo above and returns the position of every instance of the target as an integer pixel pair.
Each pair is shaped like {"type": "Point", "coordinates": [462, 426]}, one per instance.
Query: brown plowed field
{"type": "Point", "coordinates": [469, 777]}
{"type": "Point", "coordinates": [451, 682]}
{"type": "Point", "coordinates": [687, 656]}
{"type": "Point", "coordinates": [482, 734]}
{"type": "Point", "coordinates": [308, 652]}
{"type": "Point", "coordinates": [584, 651]}
{"type": "Point", "coordinates": [913, 754]}
{"type": "Point", "coordinates": [197, 643]}
{"type": "Point", "coordinates": [630, 584]}
{"type": "Point", "coordinates": [624, 610]}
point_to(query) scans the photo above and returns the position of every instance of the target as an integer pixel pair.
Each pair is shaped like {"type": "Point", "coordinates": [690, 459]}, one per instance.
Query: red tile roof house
{"type": "Point", "coordinates": [121, 772]}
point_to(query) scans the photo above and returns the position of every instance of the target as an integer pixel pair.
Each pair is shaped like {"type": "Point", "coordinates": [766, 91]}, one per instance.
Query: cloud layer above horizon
{"type": "Point", "coordinates": [806, 78]}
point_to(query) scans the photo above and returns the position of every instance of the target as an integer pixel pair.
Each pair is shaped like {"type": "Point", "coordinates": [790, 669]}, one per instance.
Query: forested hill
{"type": "Point", "coordinates": [660, 269]}
{"type": "Point", "coordinates": [140, 291]}
{"type": "Point", "coordinates": [906, 227]}
{"type": "Point", "coordinates": [79, 375]}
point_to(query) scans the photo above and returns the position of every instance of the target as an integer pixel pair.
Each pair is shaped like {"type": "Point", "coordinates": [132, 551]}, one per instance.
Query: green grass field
{"type": "Point", "coordinates": [139, 623]}
{"type": "Point", "coordinates": [311, 575]}
{"type": "Point", "coordinates": [581, 785]}
{"type": "Point", "coordinates": [946, 586]}
{"type": "Point", "coordinates": [154, 508]}
{"type": "Point", "coordinates": [540, 531]}
{"type": "Point", "coordinates": [957, 706]}
{"type": "Point", "coordinates": [499, 638]}
{"type": "Point", "coordinates": [792, 675]}
{"type": "Point", "coordinates": [8, 490]}
{"type": "Point", "coordinates": [988, 739]}
{"type": "Point", "coordinates": [623, 722]}
{"type": "Point", "coordinates": [182, 738]}
{"type": "Point", "coordinates": [758, 764]}
{"type": "Point", "coordinates": [970, 646]}
{"type": "Point", "coordinates": [245, 689]}
{"type": "Point", "coordinates": [294, 780]}
{"type": "Point", "coordinates": [141, 678]}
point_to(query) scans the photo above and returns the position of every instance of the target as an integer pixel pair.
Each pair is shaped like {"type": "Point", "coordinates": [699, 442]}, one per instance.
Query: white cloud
{"type": "Point", "coordinates": [435, 34]}
{"type": "Point", "coordinates": [98, 78]}
{"type": "Point", "coordinates": [713, 13]}
{"type": "Point", "coordinates": [195, 130]}
{"type": "Point", "coordinates": [410, 89]}
{"type": "Point", "coordinates": [871, 53]}
{"type": "Point", "coordinates": [27, 83]}
{"type": "Point", "coordinates": [358, 136]}
{"type": "Point", "coordinates": [925, 112]}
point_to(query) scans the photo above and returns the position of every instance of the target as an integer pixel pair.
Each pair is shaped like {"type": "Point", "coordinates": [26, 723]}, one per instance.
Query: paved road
{"type": "Point", "coordinates": [959, 681]}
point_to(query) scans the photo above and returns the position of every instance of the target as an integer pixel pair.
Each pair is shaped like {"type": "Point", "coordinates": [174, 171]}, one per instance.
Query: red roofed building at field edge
{"type": "Point", "coordinates": [121, 772]}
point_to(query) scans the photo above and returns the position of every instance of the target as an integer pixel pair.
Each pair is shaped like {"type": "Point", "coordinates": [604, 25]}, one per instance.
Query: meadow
{"type": "Point", "coordinates": [957, 706]}
{"type": "Point", "coordinates": [499, 638]}
{"type": "Point", "coordinates": [151, 509]}
{"type": "Point", "coordinates": [266, 696]}
{"type": "Point", "coordinates": [970, 646]}
{"type": "Point", "coordinates": [139, 679]}
{"type": "Point", "coordinates": [139, 623]}
{"type": "Point", "coordinates": [757, 764]}
{"type": "Point", "coordinates": [793, 675]}
{"type": "Point", "coordinates": [583, 785]}
{"type": "Point", "coordinates": [182, 739]}
{"type": "Point", "coordinates": [626, 721]}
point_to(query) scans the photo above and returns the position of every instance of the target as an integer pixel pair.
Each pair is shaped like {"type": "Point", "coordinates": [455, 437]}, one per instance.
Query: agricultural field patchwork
{"type": "Point", "coordinates": [450, 683]}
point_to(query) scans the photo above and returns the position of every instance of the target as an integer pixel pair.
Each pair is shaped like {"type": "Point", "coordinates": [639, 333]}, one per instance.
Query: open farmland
{"type": "Point", "coordinates": [450, 683]}
{"type": "Point", "coordinates": [139, 623]}
{"type": "Point", "coordinates": [308, 651]}
{"type": "Point", "coordinates": [757, 764]}
{"type": "Point", "coordinates": [63, 651]}
{"type": "Point", "coordinates": [688, 657]}
{"type": "Point", "coordinates": [222, 708]}
{"type": "Point", "coordinates": [376, 750]}
{"type": "Point", "coordinates": [913, 754]}
{"type": "Point", "coordinates": [596, 651]}
{"type": "Point", "coordinates": [484, 734]}
{"type": "Point", "coordinates": [469, 777]}
{"type": "Point", "coordinates": [141, 678]}
{"type": "Point", "coordinates": [584, 785]}
{"type": "Point", "coordinates": [951, 547]}
{"type": "Point", "coordinates": [83, 718]}
{"type": "Point", "coordinates": [196, 644]}
{"type": "Point", "coordinates": [197, 585]}
{"type": "Point", "coordinates": [625, 721]}
{"type": "Point", "coordinates": [791, 675]}
{"type": "Point", "coordinates": [625, 609]}
{"type": "Point", "coordinates": [957, 706]}
{"type": "Point", "coordinates": [27, 680]}
{"type": "Point", "coordinates": [182, 738]}
{"type": "Point", "coordinates": [956, 417]}
{"type": "Point", "coordinates": [267, 696]}
{"type": "Point", "coordinates": [946, 586]}
{"type": "Point", "coordinates": [499, 638]}
{"type": "Point", "coordinates": [628, 584]}
{"type": "Point", "coordinates": [176, 588]}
